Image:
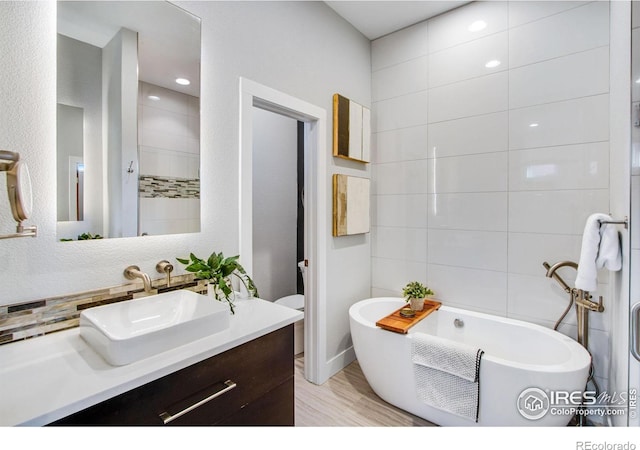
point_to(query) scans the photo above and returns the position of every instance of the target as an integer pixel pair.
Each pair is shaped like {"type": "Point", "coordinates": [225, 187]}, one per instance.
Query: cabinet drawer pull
{"type": "Point", "coordinates": [170, 417]}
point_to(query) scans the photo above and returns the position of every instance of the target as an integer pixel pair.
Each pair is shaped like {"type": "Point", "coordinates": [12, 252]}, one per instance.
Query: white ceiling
{"type": "Point", "coordinates": [375, 19]}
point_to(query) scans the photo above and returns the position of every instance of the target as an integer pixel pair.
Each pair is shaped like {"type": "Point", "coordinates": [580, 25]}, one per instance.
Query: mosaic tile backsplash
{"type": "Point", "coordinates": [36, 318]}
{"type": "Point", "coordinates": [151, 186]}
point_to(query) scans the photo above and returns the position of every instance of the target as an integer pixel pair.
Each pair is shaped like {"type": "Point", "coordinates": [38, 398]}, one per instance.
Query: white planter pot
{"type": "Point", "coordinates": [417, 304]}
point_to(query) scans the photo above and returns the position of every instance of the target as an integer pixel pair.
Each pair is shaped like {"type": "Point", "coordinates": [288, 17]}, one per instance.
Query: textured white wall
{"type": "Point", "coordinates": [300, 48]}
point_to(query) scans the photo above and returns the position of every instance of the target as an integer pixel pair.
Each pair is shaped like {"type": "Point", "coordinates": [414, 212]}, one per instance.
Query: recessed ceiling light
{"type": "Point", "coordinates": [477, 26]}
{"type": "Point", "coordinates": [533, 125]}
{"type": "Point", "coordinates": [638, 81]}
{"type": "Point", "coordinates": [183, 81]}
{"type": "Point", "coordinates": [491, 64]}
{"type": "Point", "coordinates": [155, 98]}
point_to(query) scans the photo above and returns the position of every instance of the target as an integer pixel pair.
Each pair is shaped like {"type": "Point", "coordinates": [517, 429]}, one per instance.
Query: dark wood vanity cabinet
{"type": "Point", "coordinates": [251, 384]}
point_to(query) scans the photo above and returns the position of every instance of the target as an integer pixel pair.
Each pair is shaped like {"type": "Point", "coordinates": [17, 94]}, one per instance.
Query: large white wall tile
{"type": "Point", "coordinates": [579, 166]}
{"type": "Point", "coordinates": [400, 112]}
{"type": "Point", "coordinates": [555, 212]}
{"type": "Point", "coordinates": [400, 178]}
{"type": "Point", "coordinates": [400, 210]}
{"type": "Point", "coordinates": [154, 161]}
{"type": "Point", "coordinates": [544, 298]}
{"type": "Point", "coordinates": [393, 274]}
{"type": "Point", "coordinates": [167, 99]}
{"type": "Point", "coordinates": [527, 252]}
{"type": "Point", "coordinates": [160, 139]}
{"type": "Point", "coordinates": [401, 79]}
{"type": "Point", "coordinates": [568, 122]}
{"type": "Point", "coordinates": [468, 211]}
{"type": "Point", "coordinates": [406, 44]}
{"type": "Point", "coordinates": [569, 32]}
{"type": "Point", "coordinates": [472, 249]}
{"type": "Point", "coordinates": [477, 134]}
{"type": "Point", "coordinates": [469, 60]}
{"type": "Point", "coordinates": [485, 172]}
{"type": "Point", "coordinates": [576, 75]}
{"type": "Point", "coordinates": [478, 290]}
{"type": "Point", "coordinates": [521, 12]}
{"type": "Point", "coordinates": [452, 28]}
{"type": "Point", "coordinates": [155, 119]}
{"type": "Point", "coordinates": [408, 244]}
{"type": "Point", "coordinates": [405, 144]}
{"type": "Point", "coordinates": [473, 97]}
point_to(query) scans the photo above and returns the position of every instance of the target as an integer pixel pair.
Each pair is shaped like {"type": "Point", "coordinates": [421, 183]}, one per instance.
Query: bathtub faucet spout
{"type": "Point", "coordinates": [551, 272]}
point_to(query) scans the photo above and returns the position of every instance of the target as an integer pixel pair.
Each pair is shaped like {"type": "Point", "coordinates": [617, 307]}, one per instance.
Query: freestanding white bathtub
{"type": "Point", "coordinates": [518, 356]}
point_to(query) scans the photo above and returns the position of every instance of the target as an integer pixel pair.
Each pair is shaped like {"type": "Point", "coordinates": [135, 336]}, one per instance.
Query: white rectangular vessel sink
{"type": "Point", "coordinates": [131, 330]}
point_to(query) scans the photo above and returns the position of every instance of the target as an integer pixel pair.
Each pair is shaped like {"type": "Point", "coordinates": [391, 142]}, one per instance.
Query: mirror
{"type": "Point", "coordinates": [128, 124]}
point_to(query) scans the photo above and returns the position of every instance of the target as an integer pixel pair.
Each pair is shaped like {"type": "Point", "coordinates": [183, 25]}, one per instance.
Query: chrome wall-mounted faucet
{"type": "Point", "coordinates": [133, 272]}
{"type": "Point", "coordinates": [165, 267]}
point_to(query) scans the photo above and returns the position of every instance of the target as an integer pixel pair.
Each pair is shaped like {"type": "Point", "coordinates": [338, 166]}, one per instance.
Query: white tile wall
{"type": "Point", "coordinates": [572, 31]}
{"type": "Point", "coordinates": [482, 134]}
{"type": "Point", "coordinates": [470, 249]}
{"type": "Point", "coordinates": [522, 12]}
{"type": "Point", "coordinates": [401, 79]}
{"type": "Point", "coordinates": [481, 95]}
{"type": "Point", "coordinates": [469, 60]}
{"type": "Point", "coordinates": [405, 144]}
{"type": "Point", "coordinates": [494, 197]}
{"type": "Point", "coordinates": [399, 47]}
{"type": "Point", "coordinates": [478, 290]}
{"type": "Point", "coordinates": [452, 28]}
{"type": "Point", "coordinates": [407, 177]}
{"type": "Point", "coordinates": [485, 172]}
{"type": "Point", "coordinates": [577, 166]}
{"type": "Point", "coordinates": [400, 211]}
{"type": "Point", "coordinates": [400, 112]}
{"type": "Point", "coordinates": [573, 76]}
{"type": "Point", "coordinates": [485, 211]}
{"type": "Point", "coordinates": [408, 244]}
{"type": "Point", "coordinates": [555, 212]}
{"type": "Point", "coordinates": [568, 122]}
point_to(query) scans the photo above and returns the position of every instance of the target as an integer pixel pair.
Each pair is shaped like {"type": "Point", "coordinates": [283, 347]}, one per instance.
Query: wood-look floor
{"type": "Point", "coordinates": [346, 400]}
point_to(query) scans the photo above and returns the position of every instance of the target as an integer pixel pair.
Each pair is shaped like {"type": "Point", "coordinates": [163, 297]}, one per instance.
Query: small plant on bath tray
{"type": "Point", "coordinates": [218, 270]}
{"type": "Point", "coordinates": [415, 293]}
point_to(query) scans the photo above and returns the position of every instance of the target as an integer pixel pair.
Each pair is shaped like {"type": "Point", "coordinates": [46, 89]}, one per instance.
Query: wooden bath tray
{"type": "Point", "coordinates": [398, 324]}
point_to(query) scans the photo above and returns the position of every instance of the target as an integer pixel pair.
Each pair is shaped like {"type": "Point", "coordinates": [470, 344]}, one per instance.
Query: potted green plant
{"type": "Point", "coordinates": [218, 270]}
{"type": "Point", "coordinates": [415, 293]}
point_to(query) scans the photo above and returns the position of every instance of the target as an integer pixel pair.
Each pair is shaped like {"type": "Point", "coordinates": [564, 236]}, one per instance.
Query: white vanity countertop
{"type": "Point", "coordinates": [46, 378]}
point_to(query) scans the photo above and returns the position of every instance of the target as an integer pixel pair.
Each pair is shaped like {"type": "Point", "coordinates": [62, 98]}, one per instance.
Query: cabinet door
{"type": "Point", "coordinates": [254, 369]}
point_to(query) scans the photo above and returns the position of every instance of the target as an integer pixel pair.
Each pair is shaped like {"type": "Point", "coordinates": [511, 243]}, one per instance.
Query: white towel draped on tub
{"type": "Point", "coordinates": [600, 249]}
{"type": "Point", "coordinates": [447, 374]}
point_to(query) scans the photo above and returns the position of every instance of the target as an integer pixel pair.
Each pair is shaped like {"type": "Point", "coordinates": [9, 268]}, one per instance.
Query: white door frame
{"type": "Point", "coordinates": [315, 188]}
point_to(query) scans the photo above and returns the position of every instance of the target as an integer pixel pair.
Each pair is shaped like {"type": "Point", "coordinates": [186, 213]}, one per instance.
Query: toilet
{"type": "Point", "coordinates": [296, 301]}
